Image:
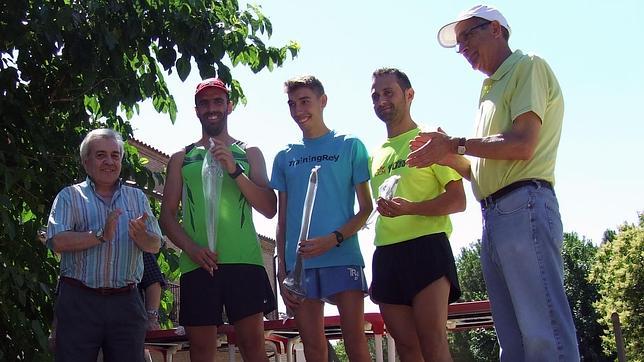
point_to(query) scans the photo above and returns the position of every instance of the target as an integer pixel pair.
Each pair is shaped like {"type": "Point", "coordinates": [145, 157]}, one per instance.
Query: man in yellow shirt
{"type": "Point", "coordinates": [414, 274]}
{"type": "Point", "coordinates": [514, 153]}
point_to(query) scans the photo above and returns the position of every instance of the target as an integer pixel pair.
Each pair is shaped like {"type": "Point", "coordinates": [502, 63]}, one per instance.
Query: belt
{"type": "Point", "coordinates": [490, 200]}
{"type": "Point", "coordinates": [102, 291]}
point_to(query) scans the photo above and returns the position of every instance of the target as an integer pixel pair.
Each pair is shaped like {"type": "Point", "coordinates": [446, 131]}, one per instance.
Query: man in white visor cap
{"type": "Point", "coordinates": [513, 157]}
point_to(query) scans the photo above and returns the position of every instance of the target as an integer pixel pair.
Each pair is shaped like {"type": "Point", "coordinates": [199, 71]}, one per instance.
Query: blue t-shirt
{"type": "Point", "coordinates": [344, 164]}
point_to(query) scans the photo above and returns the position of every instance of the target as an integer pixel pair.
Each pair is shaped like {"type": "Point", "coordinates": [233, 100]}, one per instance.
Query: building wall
{"type": "Point", "coordinates": [157, 160]}
{"type": "Point", "coordinates": [268, 252]}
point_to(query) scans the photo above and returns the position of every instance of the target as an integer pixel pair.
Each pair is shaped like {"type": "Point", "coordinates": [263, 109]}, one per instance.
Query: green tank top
{"type": "Point", "coordinates": [237, 241]}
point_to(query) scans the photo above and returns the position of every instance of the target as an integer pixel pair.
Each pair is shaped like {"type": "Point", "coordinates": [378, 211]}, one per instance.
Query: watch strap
{"type": "Point", "coordinates": [99, 235]}
{"type": "Point", "coordinates": [238, 171]}
{"type": "Point", "coordinates": [339, 238]}
{"type": "Point", "coordinates": [461, 149]}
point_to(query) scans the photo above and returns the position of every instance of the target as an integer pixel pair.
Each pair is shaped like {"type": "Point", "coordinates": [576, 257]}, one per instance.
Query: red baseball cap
{"type": "Point", "coordinates": [211, 83]}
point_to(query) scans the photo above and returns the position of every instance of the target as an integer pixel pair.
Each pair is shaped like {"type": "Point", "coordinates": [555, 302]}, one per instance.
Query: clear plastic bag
{"type": "Point", "coordinates": [387, 190]}
{"type": "Point", "coordinates": [294, 281]}
{"type": "Point", "coordinates": [212, 175]}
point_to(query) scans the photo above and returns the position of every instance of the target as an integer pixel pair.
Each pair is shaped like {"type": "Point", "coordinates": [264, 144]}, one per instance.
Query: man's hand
{"type": "Point", "coordinates": [429, 148]}
{"type": "Point", "coordinates": [109, 230]}
{"type": "Point", "coordinates": [317, 246]}
{"type": "Point", "coordinates": [202, 256]}
{"type": "Point", "coordinates": [222, 153]}
{"type": "Point", "coordinates": [419, 141]}
{"type": "Point", "coordinates": [394, 207]}
{"type": "Point", "coordinates": [291, 300]}
{"type": "Point", "coordinates": [137, 229]}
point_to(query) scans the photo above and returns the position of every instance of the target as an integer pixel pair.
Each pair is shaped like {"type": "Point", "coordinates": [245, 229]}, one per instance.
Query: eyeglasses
{"type": "Point", "coordinates": [467, 35]}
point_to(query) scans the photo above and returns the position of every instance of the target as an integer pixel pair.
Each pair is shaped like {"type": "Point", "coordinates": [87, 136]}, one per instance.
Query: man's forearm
{"type": "Point", "coordinates": [262, 199]}
{"type": "Point", "coordinates": [281, 255]}
{"type": "Point", "coordinates": [150, 243]}
{"type": "Point", "coordinates": [516, 143]}
{"type": "Point", "coordinates": [460, 164]}
{"type": "Point", "coordinates": [449, 202]}
{"type": "Point", "coordinates": [74, 241]}
{"type": "Point", "coordinates": [356, 222]}
{"type": "Point", "coordinates": [175, 233]}
{"type": "Point", "coordinates": [499, 147]}
{"type": "Point", "coordinates": [443, 204]}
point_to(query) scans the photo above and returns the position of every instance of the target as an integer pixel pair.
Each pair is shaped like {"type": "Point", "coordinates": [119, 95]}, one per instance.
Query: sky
{"type": "Point", "coordinates": [590, 45]}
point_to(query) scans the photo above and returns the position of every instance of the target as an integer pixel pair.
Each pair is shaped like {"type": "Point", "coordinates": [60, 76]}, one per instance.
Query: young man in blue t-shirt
{"type": "Point", "coordinates": [331, 256]}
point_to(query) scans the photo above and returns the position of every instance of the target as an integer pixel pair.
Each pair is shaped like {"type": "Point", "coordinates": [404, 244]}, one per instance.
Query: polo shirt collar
{"type": "Point", "coordinates": [507, 65]}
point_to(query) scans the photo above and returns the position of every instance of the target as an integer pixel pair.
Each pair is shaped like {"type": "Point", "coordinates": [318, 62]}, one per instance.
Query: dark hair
{"type": "Point", "coordinates": [304, 81]}
{"type": "Point", "coordinates": [401, 77]}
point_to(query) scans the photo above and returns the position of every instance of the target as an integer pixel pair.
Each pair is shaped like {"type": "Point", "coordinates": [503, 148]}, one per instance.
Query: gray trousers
{"type": "Point", "coordinates": [88, 321]}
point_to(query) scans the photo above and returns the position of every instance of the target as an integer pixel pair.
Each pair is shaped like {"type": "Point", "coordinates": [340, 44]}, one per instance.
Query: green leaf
{"type": "Point", "coordinates": [173, 110]}
{"type": "Point", "coordinates": [92, 105]}
{"type": "Point", "coordinates": [8, 227]}
{"type": "Point", "coordinates": [149, 81]}
{"type": "Point", "coordinates": [110, 39]}
{"type": "Point", "coordinates": [26, 216]}
{"type": "Point", "coordinates": [18, 279]}
{"type": "Point", "coordinates": [167, 57]}
{"type": "Point", "coordinates": [5, 201]}
{"type": "Point", "coordinates": [183, 67]}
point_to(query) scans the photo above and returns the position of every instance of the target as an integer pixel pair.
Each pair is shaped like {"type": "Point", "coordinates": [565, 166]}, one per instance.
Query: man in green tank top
{"type": "Point", "coordinates": [232, 275]}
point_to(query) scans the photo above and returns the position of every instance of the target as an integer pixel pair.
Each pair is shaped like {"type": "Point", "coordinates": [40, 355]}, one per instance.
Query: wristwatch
{"type": "Point", "coordinates": [238, 171]}
{"type": "Point", "coordinates": [99, 235]}
{"type": "Point", "coordinates": [461, 146]}
{"type": "Point", "coordinates": [339, 238]}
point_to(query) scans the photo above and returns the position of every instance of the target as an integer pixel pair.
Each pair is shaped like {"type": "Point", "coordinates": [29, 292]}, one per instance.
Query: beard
{"type": "Point", "coordinates": [386, 115]}
{"type": "Point", "coordinates": [215, 129]}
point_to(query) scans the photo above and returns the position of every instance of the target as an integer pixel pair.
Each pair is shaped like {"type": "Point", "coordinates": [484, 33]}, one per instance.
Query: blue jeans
{"type": "Point", "coordinates": [523, 271]}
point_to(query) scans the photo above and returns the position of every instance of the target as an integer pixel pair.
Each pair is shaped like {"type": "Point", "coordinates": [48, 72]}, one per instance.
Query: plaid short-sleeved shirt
{"type": "Point", "coordinates": [151, 272]}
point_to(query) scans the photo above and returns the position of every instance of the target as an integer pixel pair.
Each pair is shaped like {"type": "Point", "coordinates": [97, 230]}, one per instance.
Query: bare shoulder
{"type": "Point", "coordinates": [179, 153]}
{"type": "Point", "coordinates": [173, 170]}
{"type": "Point", "coordinates": [177, 156]}
{"type": "Point", "coordinates": [253, 152]}
{"type": "Point", "coordinates": [173, 181]}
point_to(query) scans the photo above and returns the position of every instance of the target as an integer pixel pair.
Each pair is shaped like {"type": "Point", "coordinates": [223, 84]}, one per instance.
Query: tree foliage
{"type": "Point", "coordinates": [476, 344]}
{"type": "Point", "coordinates": [341, 349]}
{"type": "Point", "coordinates": [619, 273]}
{"type": "Point", "coordinates": [168, 261]}
{"type": "Point", "coordinates": [578, 258]}
{"type": "Point", "coordinates": [70, 66]}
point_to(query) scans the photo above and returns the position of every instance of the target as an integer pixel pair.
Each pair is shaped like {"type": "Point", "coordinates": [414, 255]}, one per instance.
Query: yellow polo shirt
{"type": "Point", "coordinates": [523, 83]}
{"type": "Point", "coordinates": [416, 184]}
